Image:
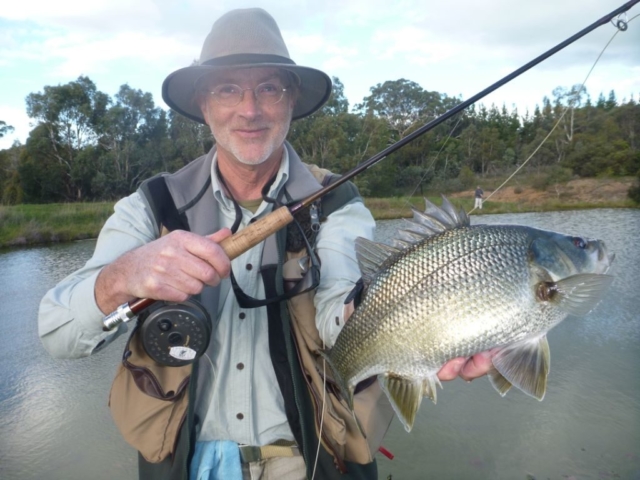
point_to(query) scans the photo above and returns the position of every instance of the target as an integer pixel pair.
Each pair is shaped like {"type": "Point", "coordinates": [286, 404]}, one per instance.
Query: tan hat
{"type": "Point", "coordinates": [239, 39]}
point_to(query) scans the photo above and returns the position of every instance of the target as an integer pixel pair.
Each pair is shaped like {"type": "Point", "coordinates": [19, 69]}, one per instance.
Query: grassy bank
{"type": "Point", "coordinates": [60, 222]}
{"type": "Point", "coordinates": [40, 224]}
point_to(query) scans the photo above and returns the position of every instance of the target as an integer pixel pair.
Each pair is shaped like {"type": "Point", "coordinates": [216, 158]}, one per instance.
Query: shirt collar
{"type": "Point", "coordinates": [281, 178]}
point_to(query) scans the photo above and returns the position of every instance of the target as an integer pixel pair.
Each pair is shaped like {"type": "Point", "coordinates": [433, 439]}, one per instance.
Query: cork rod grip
{"type": "Point", "coordinates": [256, 232]}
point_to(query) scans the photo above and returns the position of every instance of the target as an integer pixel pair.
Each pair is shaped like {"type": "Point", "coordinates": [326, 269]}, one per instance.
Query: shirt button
{"type": "Point", "coordinates": [240, 366]}
{"type": "Point", "coordinates": [249, 266]}
{"type": "Point", "coordinates": [239, 416]}
{"type": "Point", "coordinates": [242, 315]}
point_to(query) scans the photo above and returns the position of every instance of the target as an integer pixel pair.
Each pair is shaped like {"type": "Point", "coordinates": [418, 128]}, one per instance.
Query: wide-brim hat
{"type": "Point", "coordinates": [241, 39]}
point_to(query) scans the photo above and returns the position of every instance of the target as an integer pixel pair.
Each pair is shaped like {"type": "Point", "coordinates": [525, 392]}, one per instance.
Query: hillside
{"type": "Point", "coordinates": [579, 193]}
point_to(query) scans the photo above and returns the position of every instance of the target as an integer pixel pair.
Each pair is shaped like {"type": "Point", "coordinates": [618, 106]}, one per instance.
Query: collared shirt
{"type": "Point", "coordinates": [246, 405]}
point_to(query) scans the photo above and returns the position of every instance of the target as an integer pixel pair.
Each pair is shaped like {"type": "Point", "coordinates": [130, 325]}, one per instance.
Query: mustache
{"type": "Point", "coordinates": [257, 125]}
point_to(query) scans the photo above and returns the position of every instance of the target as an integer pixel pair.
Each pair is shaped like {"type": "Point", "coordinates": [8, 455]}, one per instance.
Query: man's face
{"type": "Point", "coordinates": [250, 132]}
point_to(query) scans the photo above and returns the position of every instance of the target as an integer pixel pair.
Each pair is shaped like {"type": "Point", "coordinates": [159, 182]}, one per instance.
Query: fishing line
{"type": "Point", "coordinates": [621, 26]}
{"type": "Point", "coordinates": [324, 398]}
{"type": "Point", "coordinates": [435, 159]}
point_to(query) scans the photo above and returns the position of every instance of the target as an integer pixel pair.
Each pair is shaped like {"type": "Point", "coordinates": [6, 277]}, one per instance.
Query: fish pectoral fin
{"type": "Point", "coordinates": [577, 294]}
{"type": "Point", "coordinates": [405, 395]}
{"type": "Point", "coordinates": [501, 384]}
{"type": "Point", "coordinates": [524, 364]}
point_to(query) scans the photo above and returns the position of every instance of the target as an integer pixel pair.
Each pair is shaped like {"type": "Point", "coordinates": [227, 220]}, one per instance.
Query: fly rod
{"type": "Point", "coordinates": [256, 232]}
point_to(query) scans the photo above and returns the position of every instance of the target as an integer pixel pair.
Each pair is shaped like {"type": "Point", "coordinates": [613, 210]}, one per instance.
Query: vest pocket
{"type": "Point", "coordinates": [340, 434]}
{"type": "Point", "coordinates": [148, 401]}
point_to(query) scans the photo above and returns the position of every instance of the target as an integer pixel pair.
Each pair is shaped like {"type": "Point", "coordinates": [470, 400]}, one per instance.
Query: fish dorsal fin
{"type": "Point", "coordinates": [371, 256]}
{"type": "Point", "coordinates": [446, 214]}
{"type": "Point", "coordinates": [405, 395]}
{"type": "Point", "coordinates": [576, 295]}
{"type": "Point", "coordinates": [523, 364]}
{"type": "Point", "coordinates": [432, 221]}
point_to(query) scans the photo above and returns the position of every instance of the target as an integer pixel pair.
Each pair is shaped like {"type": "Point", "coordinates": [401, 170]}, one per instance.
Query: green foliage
{"type": "Point", "coordinates": [634, 192]}
{"type": "Point", "coordinates": [552, 175]}
{"type": "Point", "coordinates": [5, 129]}
{"type": "Point", "coordinates": [87, 146]}
{"type": "Point", "coordinates": [466, 177]}
{"type": "Point", "coordinates": [29, 224]}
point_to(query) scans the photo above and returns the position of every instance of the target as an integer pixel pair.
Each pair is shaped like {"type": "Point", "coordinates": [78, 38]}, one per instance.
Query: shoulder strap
{"type": "Point", "coordinates": [338, 198]}
{"type": "Point", "coordinates": [162, 205]}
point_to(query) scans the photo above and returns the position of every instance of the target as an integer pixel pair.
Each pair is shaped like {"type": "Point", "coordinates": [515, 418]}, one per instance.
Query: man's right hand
{"type": "Point", "coordinates": [170, 268]}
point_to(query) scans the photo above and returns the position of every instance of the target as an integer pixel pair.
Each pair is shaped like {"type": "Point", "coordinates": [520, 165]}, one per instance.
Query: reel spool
{"type": "Point", "coordinates": [175, 334]}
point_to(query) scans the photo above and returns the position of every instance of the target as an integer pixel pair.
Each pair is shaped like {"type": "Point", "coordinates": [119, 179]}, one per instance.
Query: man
{"type": "Point", "coordinates": [247, 89]}
{"type": "Point", "coordinates": [479, 194]}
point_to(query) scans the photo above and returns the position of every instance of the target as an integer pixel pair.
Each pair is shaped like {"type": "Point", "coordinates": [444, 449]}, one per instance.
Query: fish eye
{"type": "Point", "coordinates": [579, 243]}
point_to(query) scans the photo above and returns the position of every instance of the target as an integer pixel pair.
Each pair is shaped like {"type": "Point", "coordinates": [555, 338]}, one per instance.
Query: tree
{"type": "Point", "coordinates": [70, 114]}
{"type": "Point", "coordinates": [403, 104]}
{"type": "Point", "coordinates": [43, 178]}
{"type": "Point", "coordinates": [130, 130]}
{"type": "Point", "coordinates": [187, 140]}
{"type": "Point", "coordinates": [5, 129]}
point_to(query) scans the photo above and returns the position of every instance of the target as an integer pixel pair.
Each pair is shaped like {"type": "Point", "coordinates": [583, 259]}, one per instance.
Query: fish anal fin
{"type": "Point", "coordinates": [429, 388]}
{"type": "Point", "coordinates": [525, 365]}
{"type": "Point", "coordinates": [405, 395]}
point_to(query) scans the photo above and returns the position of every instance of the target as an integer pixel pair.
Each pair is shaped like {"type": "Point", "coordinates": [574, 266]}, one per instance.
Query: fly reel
{"type": "Point", "coordinates": [175, 334]}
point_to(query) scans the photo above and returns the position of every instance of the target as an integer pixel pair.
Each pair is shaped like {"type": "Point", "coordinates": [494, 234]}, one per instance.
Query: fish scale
{"type": "Point", "coordinates": [460, 290]}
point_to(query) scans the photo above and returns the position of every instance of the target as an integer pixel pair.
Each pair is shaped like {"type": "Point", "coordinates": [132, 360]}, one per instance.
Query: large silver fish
{"type": "Point", "coordinates": [446, 289]}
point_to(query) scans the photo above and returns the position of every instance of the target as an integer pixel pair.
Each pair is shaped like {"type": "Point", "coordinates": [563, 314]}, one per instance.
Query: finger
{"type": "Point", "coordinates": [451, 369]}
{"type": "Point", "coordinates": [208, 249]}
{"type": "Point", "coordinates": [477, 366]}
{"type": "Point", "coordinates": [220, 235]}
{"type": "Point", "coordinates": [173, 286]}
{"type": "Point", "coordinates": [348, 310]}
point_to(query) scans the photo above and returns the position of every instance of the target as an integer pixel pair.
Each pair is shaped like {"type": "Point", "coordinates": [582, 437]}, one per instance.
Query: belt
{"type": "Point", "coordinates": [279, 448]}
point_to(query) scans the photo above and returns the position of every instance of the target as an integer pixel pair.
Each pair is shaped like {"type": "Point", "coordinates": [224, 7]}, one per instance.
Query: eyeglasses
{"type": "Point", "coordinates": [231, 95]}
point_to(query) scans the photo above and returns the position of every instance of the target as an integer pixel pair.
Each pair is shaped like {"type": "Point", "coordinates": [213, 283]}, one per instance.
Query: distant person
{"type": "Point", "coordinates": [479, 194]}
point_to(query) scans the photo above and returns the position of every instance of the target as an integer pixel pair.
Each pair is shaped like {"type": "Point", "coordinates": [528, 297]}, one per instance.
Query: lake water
{"type": "Point", "coordinates": [55, 424]}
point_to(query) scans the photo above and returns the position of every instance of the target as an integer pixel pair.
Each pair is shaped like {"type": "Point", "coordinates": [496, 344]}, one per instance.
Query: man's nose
{"type": "Point", "coordinates": [249, 105]}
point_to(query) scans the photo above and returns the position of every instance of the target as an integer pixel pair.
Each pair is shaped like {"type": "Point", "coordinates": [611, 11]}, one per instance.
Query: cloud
{"type": "Point", "coordinates": [80, 15]}
{"type": "Point", "coordinates": [452, 49]}
{"type": "Point", "coordinates": [18, 119]}
{"type": "Point", "coordinates": [416, 45]}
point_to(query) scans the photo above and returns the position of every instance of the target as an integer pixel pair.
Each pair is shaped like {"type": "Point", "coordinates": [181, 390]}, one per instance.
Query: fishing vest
{"type": "Point", "coordinates": [153, 405]}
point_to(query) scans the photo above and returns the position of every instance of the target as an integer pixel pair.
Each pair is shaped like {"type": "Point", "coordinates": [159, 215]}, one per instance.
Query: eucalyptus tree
{"type": "Point", "coordinates": [5, 129]}
{"type": "Point", "coordinates": [132, 134]}
{"type": "Point", "coordinates": [69, 114]}
{"type": "Point", "coordinates": [402, 103]}
{"type": "Point", "coordinates": [325, 137]}
{"type": "Point", "coordinates": [188, 140]}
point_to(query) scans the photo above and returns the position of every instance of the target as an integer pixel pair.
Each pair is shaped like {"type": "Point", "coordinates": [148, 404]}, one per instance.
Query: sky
{"type": "Point", "coordinates": [458, 48]}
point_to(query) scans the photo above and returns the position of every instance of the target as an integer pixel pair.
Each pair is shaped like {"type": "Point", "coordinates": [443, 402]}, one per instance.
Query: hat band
{"type": "Point", "coordinates": [247, 59]}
